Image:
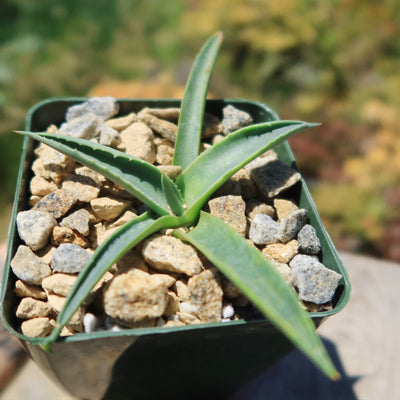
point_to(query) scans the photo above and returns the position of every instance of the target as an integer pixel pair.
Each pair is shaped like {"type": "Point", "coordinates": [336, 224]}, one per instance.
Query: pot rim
{"type": "Point", "coordinates": [20, 191]}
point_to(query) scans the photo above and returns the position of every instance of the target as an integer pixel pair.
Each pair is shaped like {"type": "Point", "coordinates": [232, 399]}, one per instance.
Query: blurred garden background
{"type": "Point", "coordinates": [336, 62]}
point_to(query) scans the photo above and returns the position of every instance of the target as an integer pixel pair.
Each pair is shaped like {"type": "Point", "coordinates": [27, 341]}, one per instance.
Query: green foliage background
{"type": "Point", "coordinates": [335, 62]}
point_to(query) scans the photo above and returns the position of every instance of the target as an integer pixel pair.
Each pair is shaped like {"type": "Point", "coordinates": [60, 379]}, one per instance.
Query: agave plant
{"type": "Point", "coordinates": [179, 202]}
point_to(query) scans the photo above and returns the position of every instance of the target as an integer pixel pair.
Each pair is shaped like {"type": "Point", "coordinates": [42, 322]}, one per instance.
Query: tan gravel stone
{"type": "Point", "coordinates": [33, 200]}
{"type": "Point", "coordinates": [281, 252]}
{"type": "Point", "coordinates": [172, 171]}
{"type": "Point", "coordinates": [37, 327]}
{"type": "Point", "coordinates": [53, 160]}
{"type": "Point", "coordinates": [182, 290]}
{"type": "Point", "coordinates": [168, 279]}
{"type": "Point", "coordinates": [127, 216]}
{"type": "Point", "coordinates": [284, 270]}
{"type": "Point", "coordinates": [39, 169]}
{"type": "Point", "coordinates": [109, 136]}
{"type": "Point", "coordinates": [188, 307]}
{"type": "Point", "coordinates": [135, 296]}
{"type": "Point", "coordinates": [57, 203]}
{"type": "Point", "coordinates": [217, 138]}
{"type": "Point", "coordinates": [166, 129]}
{"type": "Point", "coordinates": [121, 123]}
{"type": "Point", "coordinates": [284, 207]}
{"type": "Point", "coordinates": [206, 294]}
{"type": "Point", "coordinates": [63, 234]}
{"type": "Point", "coordinates": [188, 319]}
{"type": "Point", "coordinates": [138, 141]}
{"type": "Point", "coordinates": [65, 331]}
{"type": "Point", "coordinates": [60, 284]}
{"type": "Point", "coordinates": [23, 289]}
{"type": "Point", "coordinates": [76, 322]}
{"type": "Point", "coordinates": [167, 253]}
{"type": "Point", "coordinates": [41, 187]}
{"type": "Point", "coordinates": [85, 171]}
{"type": "Point", "coordinates": [231, 209]}
{"type": "Point", "coordinates": [231, 291]}
{"type": "Point", "coordinates": [109, 208]}
{"type": "Point", "coordinates": [132, 259]}
{"type": "Point", "coordinates": [32, 308]}
{"type": "Point", "coordinates": [254, 207]}
{"type": "Point", "coordinates": [173, 324]}
{"type": "Point", "coordinates": [46, 253]}
{"type": "Point", "coordinates": [28, 267]}
{"type": "Point", "coordinates": [170, 113]}
{"type": "Point", "coordinates": [164, 151]}
{"type": "Point", "coordinates": [211, 126]}
{"type": "Point", "coordinates": [172, 306]}
{"type": "Point", "coordinates": [82, 188]}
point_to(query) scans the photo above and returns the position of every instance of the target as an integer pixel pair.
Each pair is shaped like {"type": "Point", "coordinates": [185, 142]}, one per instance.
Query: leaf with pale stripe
{"type": "Point", "coordinates": [260, 282]}
{"type": "Point", "coordinates": [187, 144]}
{"type": "Point", "coordinates": [217, 164]}
{"type": "Point", "coordinates": [136, 176]}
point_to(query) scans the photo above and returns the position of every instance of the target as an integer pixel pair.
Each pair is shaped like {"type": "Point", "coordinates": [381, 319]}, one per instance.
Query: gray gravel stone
{"type": "Point", "coordinates": [271, 175]}
{"type": "Point", "coordinates": [28, 267]}
{"type": "Point", "coordinates": [314, 281]}
{"type": "Point", "coordinates": [69, 258]}
{"type": "Point", "coordinates": [102, 107]}
{"type": "Point", "coordinates": [264, 230]}
{"type": "Point", "coordinates": [109, 136]}
{"type": "Point", "coordinates": [233, 119]}
{"type": "Point", "coordinates": [85, 127]}
{"type": "Point", "coordinates": [308, 240]}
{"type": "Point", "coordinates": [78, 220]}
{"type": "Point", "coordinates": [290, 225]}
{"type": "Point", "coordinates": [34, 228]}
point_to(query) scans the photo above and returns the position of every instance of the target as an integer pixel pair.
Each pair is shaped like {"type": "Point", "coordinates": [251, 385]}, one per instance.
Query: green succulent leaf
{"type": "Point", "coordinates": [217, 164]}
{"type": "Point", "coordinates": [247, 268]}
{"type": "Point", "coordinates": [173, 195]}
{"type": "Point", "coordinates": [138, 177]}
{"type": "Point", "coordinates": [192, 109]}
{"type": "Point", "coordinates": [113, 248]}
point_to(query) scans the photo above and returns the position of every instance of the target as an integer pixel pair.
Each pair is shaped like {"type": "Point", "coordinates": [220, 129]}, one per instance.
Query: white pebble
{"type": "Point", "coordinates": [90, 323]}
{"type": "Point", "coordinates": [228, 311]}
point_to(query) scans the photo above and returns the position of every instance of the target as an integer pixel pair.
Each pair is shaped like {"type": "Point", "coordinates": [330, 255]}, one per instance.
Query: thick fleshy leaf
{"type": "Point", "coordinates": [173, 196]}
{"type": "Point", "coordinates": [136, 176]}
{"type": "Point", "coordinates": [113, 248]}
{"type": "Point", "coordinates": [247, 268]}
{"type": "Point", "coordinates": [192, 109]}
{"type": "Point", "coordinates": [217, 164]}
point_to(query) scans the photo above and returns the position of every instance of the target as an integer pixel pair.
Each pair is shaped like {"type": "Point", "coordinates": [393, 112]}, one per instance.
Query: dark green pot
{"type": "Point", "coordinates": [157, 363]}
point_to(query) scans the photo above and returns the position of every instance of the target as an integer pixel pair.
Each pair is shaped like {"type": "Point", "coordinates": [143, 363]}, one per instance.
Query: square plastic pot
{"type": "Point", "coordinates": [153, 363]}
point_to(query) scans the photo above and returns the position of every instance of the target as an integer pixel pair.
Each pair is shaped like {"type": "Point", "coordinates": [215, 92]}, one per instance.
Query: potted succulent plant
{"type": "Point", "coordinates": [182, 358]}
